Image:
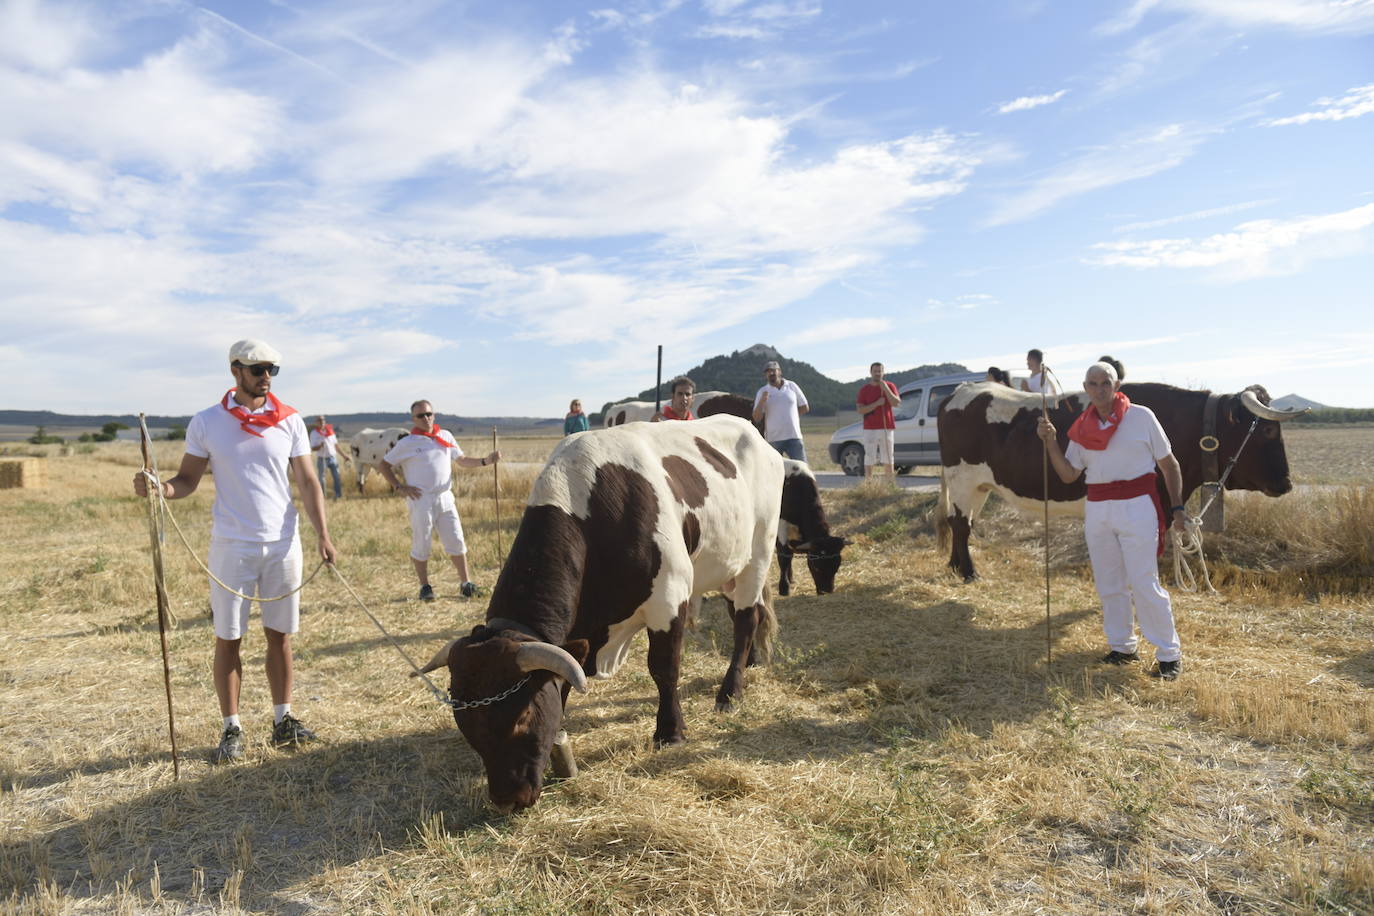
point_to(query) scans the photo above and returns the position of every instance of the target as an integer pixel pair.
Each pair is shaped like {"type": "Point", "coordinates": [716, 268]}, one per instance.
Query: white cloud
{"type": "Point", "coordinates": [1320, 16]}
{"type": "Point", "coordinates": [1355, 103]}
{"type": "Point", "coordinates": [1256, 248]}
{"type": "Point", "coordinates": [1136, 157]}
{"type": "Point", "coordinates": [45, 37]}
{"type": "Point", "coordinates": [836, 330]}
{"type": "Point", "coordinates": [1194, 215]}
{"type": "Point", "coordinates": [1027, 102]}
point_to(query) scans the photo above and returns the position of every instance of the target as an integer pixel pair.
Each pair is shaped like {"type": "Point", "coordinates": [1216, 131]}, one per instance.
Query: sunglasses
{"type": "Point", "coordinates": [427, 413]}
{"type": "Point", "coordinates": [260, 370]}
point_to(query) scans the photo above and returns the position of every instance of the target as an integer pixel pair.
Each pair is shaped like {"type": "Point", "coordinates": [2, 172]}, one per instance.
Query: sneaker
{"type": "Point", "coordinates": [1168, 671]}
{"type": "Point", "coordinates": [426, 593]}
{"type": "Point", "coordinates": [1120, 658]}
{"type": "Point", "coordinates": [230, 746]}
{"type": "Point", "coordinates": [468, 590]}
{"type": "Point", "coordinates": [290, 732]}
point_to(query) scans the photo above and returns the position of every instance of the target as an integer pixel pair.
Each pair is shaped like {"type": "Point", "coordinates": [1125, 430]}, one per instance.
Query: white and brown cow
{"type": "Point", "coordinates": [988, 443]}
{"type": "Point", "coordinates": [370, 446]}
{"type": "Point", "coordinates": [624, 530]}
{"type": "Point", "coordinates": [635, 411]}
{"type": "Point", "coordinates": [805, 530]}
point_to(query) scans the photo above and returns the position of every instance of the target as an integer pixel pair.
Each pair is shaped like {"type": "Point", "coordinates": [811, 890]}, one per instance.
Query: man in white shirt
{"type": "Point", "coordinates": [1039, 381]}
{"type": "Point", "coordinates": [779, 405]}
{"type": "Point", "coordinates": [325, 445]}
{"type": "Point", "coordinates": [1117, 446]}
{"type": "Point", "coordinates": [254, 445]}
{"type": "Point", "coordinates": [427, 457]}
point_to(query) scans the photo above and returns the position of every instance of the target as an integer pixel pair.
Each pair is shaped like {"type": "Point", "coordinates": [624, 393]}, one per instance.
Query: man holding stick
{"type": "Point", "coordinates": [254, 445]}
{"type": "Point", "coordinates": [1119, 445]}
{"type": "Point", "coordinates": [875, 402]}
{"type": "Point", "coordinates": [427, 457]}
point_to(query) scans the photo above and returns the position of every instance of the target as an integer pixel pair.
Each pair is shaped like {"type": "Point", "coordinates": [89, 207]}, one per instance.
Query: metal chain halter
{"type": "Point", "coordinates": [487, 701]}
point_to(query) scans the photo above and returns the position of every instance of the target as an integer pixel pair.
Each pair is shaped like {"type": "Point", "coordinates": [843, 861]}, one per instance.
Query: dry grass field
{"type": "Point", "coordinates": [909, 751]}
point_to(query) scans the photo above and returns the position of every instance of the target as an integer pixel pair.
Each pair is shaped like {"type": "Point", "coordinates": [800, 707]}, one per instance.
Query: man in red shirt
{"type": "Point", "coordinates": [875, 403]}
{"type": "Point", "coordinates": [680, 406]}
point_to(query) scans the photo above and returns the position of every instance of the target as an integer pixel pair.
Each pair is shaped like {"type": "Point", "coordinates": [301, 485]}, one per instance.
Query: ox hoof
{"type": "Point", "coordinates": [784, 589]}
{"type": "Point", "coordinates": [670, 741]}
{"type": "Point", "coordinates": [725, 704]}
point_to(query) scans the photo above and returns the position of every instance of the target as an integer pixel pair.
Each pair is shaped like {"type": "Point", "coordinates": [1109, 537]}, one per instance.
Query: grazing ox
{"type": "Point", "coordinates": [370, 446]}
{"type": "Point", "coordinates": [988, 442]}
{"type": "Point", "coordinates": [634, 411]}
{"type": "Point", "coordinates": [623, 530]}
{"type": "Point", "coordinates": [805, 530]}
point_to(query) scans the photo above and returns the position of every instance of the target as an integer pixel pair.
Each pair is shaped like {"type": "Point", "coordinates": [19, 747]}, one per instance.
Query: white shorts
{"type": "Point", "coordinates": [878, 446]}
{"type": "Point", "coordinates": [267, 569]}
{"type": "Point", "coordinates": [431, 511]}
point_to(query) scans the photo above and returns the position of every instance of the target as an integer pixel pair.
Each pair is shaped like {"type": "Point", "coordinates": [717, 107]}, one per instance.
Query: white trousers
{"type": "Point", "coordinates": [1122, 536]}
{"type": "Point", "coordinates": [255, 568]}
{"type": "Point", "coordinates": [431, 511]}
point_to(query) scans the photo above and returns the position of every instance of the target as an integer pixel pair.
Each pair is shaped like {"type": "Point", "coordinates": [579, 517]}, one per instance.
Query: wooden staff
{"type": "Point", "coordinates": [1045, 447]}
{"type": "Point", "coordinates": [496, 490]}
{"type": "Point", "coordinates": [161, 588]}
{"type": "Point", "coordinates": [658, 383]}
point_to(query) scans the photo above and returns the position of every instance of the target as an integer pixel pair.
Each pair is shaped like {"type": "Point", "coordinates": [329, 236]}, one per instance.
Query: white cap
{"type": "Point", "coordinates": [250, 351]}
{"type": "Point", "coordinates": [771, 364]}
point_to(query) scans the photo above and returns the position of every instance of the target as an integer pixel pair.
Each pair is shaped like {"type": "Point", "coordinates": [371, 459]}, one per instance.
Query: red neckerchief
{"type": "Point", "coordinates": [1144, 485]}
{"type": "Point", "coordinates": [327, 430]}
{"type": "Point", "coordinates": [670, 414]}
{"type": "Point", "coordinates": [433, 434]}
{"type": "Point", "coordinates": [266, 420]}
{"type": "Point", "coordinates": [1088, 431]}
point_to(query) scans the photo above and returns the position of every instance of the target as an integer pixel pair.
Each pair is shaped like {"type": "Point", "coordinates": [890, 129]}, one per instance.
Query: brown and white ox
{"type": "Point", "coordinates": [635, 411]}
{"type": "Point", "coordinates": [804, 528]}
{"type": "Point", "coordinates": [369, 446]}
{"type": "Point", "coordinates": [624, 530]}
{"type": "Point", "coordinates": [988, 442]}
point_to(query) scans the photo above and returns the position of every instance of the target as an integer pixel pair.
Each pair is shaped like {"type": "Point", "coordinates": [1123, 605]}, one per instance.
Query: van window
{"type": "Point", "coordinates": [911, 404]}
{"type": "Point", "coordinates": [938, 394]}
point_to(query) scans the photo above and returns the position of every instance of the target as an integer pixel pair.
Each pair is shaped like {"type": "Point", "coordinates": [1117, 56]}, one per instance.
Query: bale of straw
{"type": "Point", "coordinates": [23, 472]}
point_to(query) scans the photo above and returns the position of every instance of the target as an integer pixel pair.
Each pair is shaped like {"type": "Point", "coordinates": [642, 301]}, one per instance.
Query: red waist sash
{"type": "Point", "coordinates": [1144, 485]}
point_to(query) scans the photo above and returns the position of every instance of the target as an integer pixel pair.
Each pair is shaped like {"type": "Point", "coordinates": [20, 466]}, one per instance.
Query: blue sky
{"type": "Point", "coordinates": [500, 206]}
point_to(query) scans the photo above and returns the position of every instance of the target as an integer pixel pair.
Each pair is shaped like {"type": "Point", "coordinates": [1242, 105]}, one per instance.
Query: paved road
{"type": "Point", "coordinates": [837, 480]}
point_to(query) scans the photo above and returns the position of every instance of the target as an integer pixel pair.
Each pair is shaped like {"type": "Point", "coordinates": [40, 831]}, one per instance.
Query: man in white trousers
{"type": "Point", "coordinates": [1118, 445]}
{"type": "Point", "coordinates": [427, 456]}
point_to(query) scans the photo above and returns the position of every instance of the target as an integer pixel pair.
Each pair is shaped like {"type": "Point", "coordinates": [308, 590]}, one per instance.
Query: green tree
{"type": "Point", "coordinates": [109, 432]}
{"type": "Point", "coordinates": [176, 433]}
{"type": "Point", "coordinates": [40, 437]}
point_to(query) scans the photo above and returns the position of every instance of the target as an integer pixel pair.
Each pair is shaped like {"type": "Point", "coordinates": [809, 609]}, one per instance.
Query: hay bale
{"type": "Point", "coordinates": [23, 472]}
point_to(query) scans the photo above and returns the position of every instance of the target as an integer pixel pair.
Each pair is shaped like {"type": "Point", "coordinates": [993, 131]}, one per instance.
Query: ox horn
{"type": "Point", "coordinates": [544, 656]}
{"type": "Point", "coordinates": [1265, 412]}
{"type": "Point", "coordinates": [439, 660]}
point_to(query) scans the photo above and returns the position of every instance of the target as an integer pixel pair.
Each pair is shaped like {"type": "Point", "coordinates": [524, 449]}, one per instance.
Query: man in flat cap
{"type": "Point", "coordinates": [254, 445]}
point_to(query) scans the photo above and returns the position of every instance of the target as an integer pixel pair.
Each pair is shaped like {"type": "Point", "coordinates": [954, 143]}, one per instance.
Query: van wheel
{"type": "Point", "coordinates": [903, 469]}
{"type": "Point", "coordinates": [852, 459]}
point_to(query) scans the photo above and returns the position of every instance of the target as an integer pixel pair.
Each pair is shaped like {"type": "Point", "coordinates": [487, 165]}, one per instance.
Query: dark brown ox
{"type": "Point", "coordinates": [804, 528]}
{"type": "Point", "coordinates": [988, 442]}
{"type": "Point", "coordinates": [624, 530]}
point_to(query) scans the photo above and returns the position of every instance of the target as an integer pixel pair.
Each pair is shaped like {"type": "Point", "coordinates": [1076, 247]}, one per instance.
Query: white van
{"type": "Point", "coordinates": [916, 440]}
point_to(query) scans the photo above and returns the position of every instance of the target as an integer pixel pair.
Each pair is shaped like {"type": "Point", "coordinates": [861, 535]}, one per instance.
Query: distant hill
{"type": "Point", "coordinates": [344, 423]}
{"type": "Point", "coordinates": [1295, 401]}
{"type": "Point", "coordinates": [742, 373]}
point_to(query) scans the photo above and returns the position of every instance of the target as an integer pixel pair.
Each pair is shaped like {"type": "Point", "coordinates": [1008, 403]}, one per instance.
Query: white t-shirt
{"type": "Point", "coordinates": [329, 445]}
{"type": "Point", "coordinates": [1131, 453]}
{"type": "Point", "coordinates": [780, 417]}
{"type": "Point", "coordinates": [252, 473]}
{"type": "Point", "coordinates": [1036, 380]}
{"type": "Point", "coordinates": [426, 463]}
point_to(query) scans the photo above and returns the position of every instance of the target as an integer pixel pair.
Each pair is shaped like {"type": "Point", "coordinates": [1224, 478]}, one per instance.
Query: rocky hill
{"type": "Point", "coordinates": [742, 373]}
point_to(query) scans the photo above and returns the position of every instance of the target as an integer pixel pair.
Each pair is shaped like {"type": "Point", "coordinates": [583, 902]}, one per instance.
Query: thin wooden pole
{"type": "Point", "coordinates": [658, 383]}
{"type": "Point", "coordinates": [496, 490]}
{"type": "Point", "coordinates": [160, 587]}
{"type": "Point", "coordinates": [1045, 411]}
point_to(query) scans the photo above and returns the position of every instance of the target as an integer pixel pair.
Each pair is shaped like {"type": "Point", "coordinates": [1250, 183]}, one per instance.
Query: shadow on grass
{"type": "Point", "coordinates": [1359, 668]}
{"type": "Point", "coordinates": [279, 818]}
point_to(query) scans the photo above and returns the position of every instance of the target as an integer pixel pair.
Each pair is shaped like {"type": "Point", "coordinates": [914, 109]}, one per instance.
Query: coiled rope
{"type": "Point", "coordinates": [1189, 542]}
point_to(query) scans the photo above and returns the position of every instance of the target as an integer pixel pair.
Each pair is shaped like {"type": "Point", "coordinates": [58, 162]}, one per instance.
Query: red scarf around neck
{"type": "Point", "coordinates": [1088, 431]}
{"type": "Point", "coordinates": [433, 434]}
{"type": "Point", "coordinates": [670, 414]}
{"type": "Point", "coordinates": [266, 419]}
{"type": "Point", "coordinates": [325, 430]}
